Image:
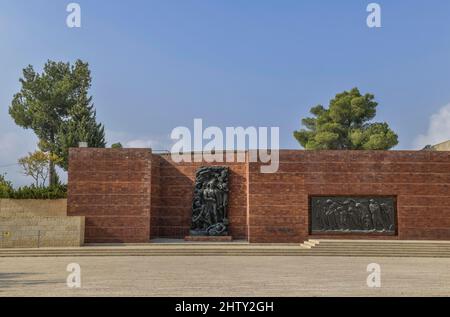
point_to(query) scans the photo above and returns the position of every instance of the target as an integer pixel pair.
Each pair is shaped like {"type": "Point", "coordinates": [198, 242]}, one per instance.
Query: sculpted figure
{"type": "Point", "coordinates": [332, 214]}
{"type": "Point", "coordinates": [353, 214]}
{"type": "Point", "coordinates": [365, 216]}
{"type": "Point", "coordinates": [222, 186]}
{"type": "Point", "coordinates": [340, 218]}
{"type": "Point", "coordinates": [388, 217]}
{"type": "Point", "coordinates": [377, 217]}
{"type": "Point", "coordinates": [321, 214]}
{"type": "Point", "coordinates": [210, 202]}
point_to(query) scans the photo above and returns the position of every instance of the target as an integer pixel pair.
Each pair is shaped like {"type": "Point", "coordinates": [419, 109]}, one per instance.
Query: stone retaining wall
{"type": "Point", "coordinates": [32, 223]}
{"type": "Point", "coordinates": [33, 207]}
{"type": "Point", "coordinates": [35, 232]}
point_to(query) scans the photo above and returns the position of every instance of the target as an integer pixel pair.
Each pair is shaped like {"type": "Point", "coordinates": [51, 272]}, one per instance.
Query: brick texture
{"type": "Point", "coordinates": [279, 203]}
{"type": "Point", "coordinates": [176, 188]}
{"type": "Point", "coordinates": [111, 188]}
{"type": "Point", "coordinates": [132, 195]}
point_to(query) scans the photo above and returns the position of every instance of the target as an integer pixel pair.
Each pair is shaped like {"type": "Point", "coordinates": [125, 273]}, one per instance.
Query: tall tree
{"type": "Point", "coordinates": [81, 126]}
{"type": "Point", "coordinates": [46, 99]}
{"type": "Point", "coordinates": [345, 125]}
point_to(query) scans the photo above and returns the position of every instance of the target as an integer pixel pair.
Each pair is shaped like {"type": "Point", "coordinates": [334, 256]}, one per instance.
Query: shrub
{"type": "Point", "coordinates": [117, 145]}
{"type": "Point", "coordinates": [31, 192]}
{"type": "Point", "coordinates": [5, 187]}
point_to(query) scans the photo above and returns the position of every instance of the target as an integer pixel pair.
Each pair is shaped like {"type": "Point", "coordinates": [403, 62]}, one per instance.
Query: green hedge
{"type": "Point", "coordinates": [33, 192]}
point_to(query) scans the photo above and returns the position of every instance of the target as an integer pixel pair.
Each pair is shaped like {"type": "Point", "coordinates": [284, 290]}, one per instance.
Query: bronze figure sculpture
{"type": "Point", "coordinates": [210, 202]}
{"type": "Point", "coordinates": [353, 214]}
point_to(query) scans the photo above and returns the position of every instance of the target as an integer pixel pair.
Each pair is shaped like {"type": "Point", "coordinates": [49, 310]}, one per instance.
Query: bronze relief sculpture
{"type": "Point", "coordinates": [210, 202]}
{"type": "Point", "coordinates": [353, 214]}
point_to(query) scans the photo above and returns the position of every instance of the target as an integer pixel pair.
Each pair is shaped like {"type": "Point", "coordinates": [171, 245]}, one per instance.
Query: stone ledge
{"type": "Point", "coordinates": [33, 207]}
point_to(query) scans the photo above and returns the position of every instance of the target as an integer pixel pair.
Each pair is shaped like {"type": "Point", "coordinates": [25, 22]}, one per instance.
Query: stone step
{"type": "Point", "coordinates": [234, 253]}
{"type": "Point", "coordinates": [152, 251]}
{"type": "Point", "coordinates": [309, 248]}
{"type": "Point", "coordinates": [374, 247]}
{"type": "Point", "coordinates": [274, 253]}
{"type": "Point", "coordinates": [380, 255]}
{"type": "Point", "coordinates": [386, 240]}
{"type": "Point", "coordinates": [181, 253]}
{"type": "Point", "coordinates": [381, 243]}
{"type": "Point", "coordinates": [384, 244]}
{"type": "Point", "coordinates": [156, 250]}
{"type": "Point", "coordinates": [346, 251]}
{"type": "Point", "coordinates": [381, 247]}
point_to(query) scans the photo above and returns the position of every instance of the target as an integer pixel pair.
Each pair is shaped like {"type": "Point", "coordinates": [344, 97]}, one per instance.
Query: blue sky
{"type": "Point", "coordinates": [157, 65]}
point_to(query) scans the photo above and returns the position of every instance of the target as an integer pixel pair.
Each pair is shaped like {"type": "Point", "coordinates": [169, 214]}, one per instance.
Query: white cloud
{"type": "Point", "coordinates": [438, 129]}
{"type": "Point", "coordinates": [132, 141]}
{"type": "Point", "coordinates": [138, 143]}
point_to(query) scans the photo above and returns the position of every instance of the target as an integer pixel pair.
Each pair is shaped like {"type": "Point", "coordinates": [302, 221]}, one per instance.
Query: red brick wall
{"type": "Point", "coordinates": [131, 195]}
{"type": "Point", "coordinates": [111, 187]}
{"type": "Point", "coordinates": [419, 179]}
{"type": "Point", "coordinates": [155, 200]}
{"type": "Point", "coordinates": [176, 193]}
{"type": "Point", "coordinates": [278, 205]}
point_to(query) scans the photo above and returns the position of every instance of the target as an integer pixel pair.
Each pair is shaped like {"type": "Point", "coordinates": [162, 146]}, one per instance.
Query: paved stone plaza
{"type": "Point", "coordinates": [224, 276]}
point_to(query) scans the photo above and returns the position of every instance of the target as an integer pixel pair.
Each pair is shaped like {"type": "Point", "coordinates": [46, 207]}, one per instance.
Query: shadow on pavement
{"type": "Point", "coordinates": [17, 280]}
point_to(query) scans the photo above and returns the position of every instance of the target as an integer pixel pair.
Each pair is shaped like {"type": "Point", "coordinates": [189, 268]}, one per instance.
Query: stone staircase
{"type": "Point", "coordinates": [362, 248]}
{"type": "Point", "coordinates": [156, 249]}
{"type": "Point", "coordinates": [375, 248]}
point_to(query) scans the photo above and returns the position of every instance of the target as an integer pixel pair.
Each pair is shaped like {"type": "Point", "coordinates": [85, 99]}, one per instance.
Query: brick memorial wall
{"type": "Point", "coordinates": [420, 180]}
{"type": "Point", "coordinates": [132, 195]}
{"type": "Point", "coordinates": [112, 189]}
{"type": "Point", "coordinates": [174, 208]}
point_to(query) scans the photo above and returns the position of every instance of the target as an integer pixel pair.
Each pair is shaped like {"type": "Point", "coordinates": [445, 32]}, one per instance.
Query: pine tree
{"type": "Point", "coordinates": [45, 99]}
{"type": "Point", "coordinates": [346, 125]}
{"type": "Point", "coordinates": [81, 126]}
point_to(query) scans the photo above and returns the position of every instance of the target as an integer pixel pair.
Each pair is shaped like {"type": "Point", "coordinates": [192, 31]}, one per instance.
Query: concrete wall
{"type": "Point", "coordinates": [33, 232]}
{"type": "Point", "coordinates": [31, 223]}
{"type": "Point", "coordinates": [33, 207]}
{"type": "Point", "coordinates": [131, 195]}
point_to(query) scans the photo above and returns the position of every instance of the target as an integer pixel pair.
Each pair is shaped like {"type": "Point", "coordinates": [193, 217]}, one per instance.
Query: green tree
{"type": "Point", "coordinates": [37, 165]}
{"type": "Point", "coordinates": [5, 187]}
{"type": "Point", "coordinates": [345, 125]}
{"type": "Point", "coordinates": [45, 102]}
{"type": "Point", "coordinates": [117, 145]}
{"type": "Point", "coordinates": [81, 126]}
